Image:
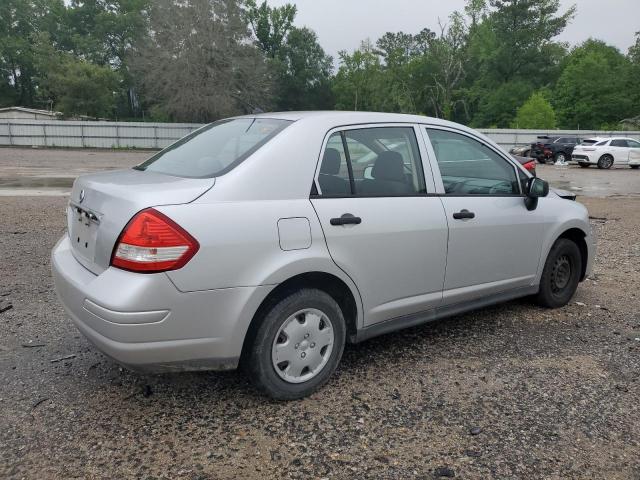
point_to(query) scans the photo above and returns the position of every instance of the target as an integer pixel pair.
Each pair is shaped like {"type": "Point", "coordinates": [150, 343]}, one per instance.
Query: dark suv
{"type": "Point", "coordinates": [554, 149]}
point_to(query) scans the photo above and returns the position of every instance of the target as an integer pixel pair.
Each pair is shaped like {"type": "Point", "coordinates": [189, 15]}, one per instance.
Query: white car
{"type": "Point", "coordinates": [606, 152]}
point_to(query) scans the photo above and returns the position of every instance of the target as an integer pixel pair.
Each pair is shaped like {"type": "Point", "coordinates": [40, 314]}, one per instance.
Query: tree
{"type": "Point", "coordinates": [83, 88]}
{"type": "Point", "coordinates": [634, 51]}
{"type": "Point", "coordinates": [522, 29]}
{"type": "Point", "coordinates": [20, 22]}
{"type": "Point", "coordinates": [497, 108]}
{"type": "Point", "coordinates": [270, 25]}
{"type": "Point", "coordinates": [304, 73]}
{"type": "Point", "coordinates": [300, 67]}
{"type": "Point", "coordinates": [357, 85]}
{"type": "Point", "coordinates": [536, 113]}
{"type": "Point", "coordinates": [446, 55]}
{"type": "Point", "coordinates": [596, 87]}
{"type": "Point", "coordinates": [198, 62]}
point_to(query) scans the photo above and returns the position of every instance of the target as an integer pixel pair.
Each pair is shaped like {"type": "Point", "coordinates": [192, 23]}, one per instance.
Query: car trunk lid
{"type": "Point", "coordinates": [102, 204]}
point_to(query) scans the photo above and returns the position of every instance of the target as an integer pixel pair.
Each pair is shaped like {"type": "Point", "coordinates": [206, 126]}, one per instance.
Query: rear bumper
{"type": "Point", "coordinates": [145, 323]}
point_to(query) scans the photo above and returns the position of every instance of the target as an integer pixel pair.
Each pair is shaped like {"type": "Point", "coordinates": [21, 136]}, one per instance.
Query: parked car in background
{"type": "Point", "coordinates": [553, 149]}
{"type": "Point", "coordinates": [607, 152]}
{"type": "Point", "coordinates": [269, 241]}
{"type": "Point", "coordinates": [527, 162]}
{"type": "Point", "coordinates": [521, 151]}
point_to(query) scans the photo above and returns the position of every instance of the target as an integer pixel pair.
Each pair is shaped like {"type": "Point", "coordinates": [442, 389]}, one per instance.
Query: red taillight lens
{"type": "Point", "coordinates": [152, 242]}
{"type": "Point", "coordinates": [530, 166]}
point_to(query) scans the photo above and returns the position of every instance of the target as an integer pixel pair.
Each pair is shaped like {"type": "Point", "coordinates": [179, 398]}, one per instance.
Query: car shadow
{"type": "Point", "coordinates": [376, 353]}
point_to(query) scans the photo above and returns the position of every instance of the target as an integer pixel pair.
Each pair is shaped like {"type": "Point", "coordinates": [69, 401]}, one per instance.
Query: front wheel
{"type": "Point", "coordinates": [635, 167]}
{"type": "Point", "coordinates": [561, 274]}
{"type": "Point", "coordinates": [605, 162]}
{"type": "Point", "coordinates": [561, 157]}
{"type": "Point", "coordinates": [298, 345]}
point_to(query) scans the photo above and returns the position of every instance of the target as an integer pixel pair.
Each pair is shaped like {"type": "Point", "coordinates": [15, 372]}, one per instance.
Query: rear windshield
{"type": "Point", "coordinates": [215, 149]}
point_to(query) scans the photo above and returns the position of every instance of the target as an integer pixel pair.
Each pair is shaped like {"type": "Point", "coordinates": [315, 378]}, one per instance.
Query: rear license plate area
{"type": "Point", "coordinates": [83, 232]}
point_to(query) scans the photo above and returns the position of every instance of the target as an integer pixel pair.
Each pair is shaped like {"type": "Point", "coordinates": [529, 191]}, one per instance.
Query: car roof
{"type": "Point", "coordinates": [343, 117]}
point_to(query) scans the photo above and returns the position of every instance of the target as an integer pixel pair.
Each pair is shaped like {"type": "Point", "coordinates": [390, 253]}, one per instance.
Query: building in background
{"type": "Point", "coordinates": [21, 113]}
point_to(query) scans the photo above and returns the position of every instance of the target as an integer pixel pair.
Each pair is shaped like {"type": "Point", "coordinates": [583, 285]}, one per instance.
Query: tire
{"type": "Point", "coordinates": [605, 162]}
{"type": "Point", "coordinates": [558, 283]}
{"type": "Point", "coordinates": [307, 312]}
{"type": "Point", "coordinates": [585, 165]}
{"type": "Point", "coordinates": [635, 167]}
{"type": "Point", "coordinates": [560, 157]}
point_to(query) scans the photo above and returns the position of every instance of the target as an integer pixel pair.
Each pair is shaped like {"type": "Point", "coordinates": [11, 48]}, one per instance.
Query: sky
{"type": "Point", "coordinates": [343, 24]}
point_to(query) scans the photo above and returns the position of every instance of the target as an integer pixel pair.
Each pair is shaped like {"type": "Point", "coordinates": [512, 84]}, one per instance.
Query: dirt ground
{"type": "Point", "coordinates": [512, 391]}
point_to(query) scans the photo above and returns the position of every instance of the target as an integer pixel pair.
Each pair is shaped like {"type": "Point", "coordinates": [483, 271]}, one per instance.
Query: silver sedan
{"type": "Point", "coordinates": [270, 241]}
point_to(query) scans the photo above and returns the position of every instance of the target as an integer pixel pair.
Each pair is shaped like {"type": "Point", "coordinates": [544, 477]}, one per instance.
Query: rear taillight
{"type": "Point", "coordinates": [152, 242]}
{"type": "Point", "coordinates": [530, 166]}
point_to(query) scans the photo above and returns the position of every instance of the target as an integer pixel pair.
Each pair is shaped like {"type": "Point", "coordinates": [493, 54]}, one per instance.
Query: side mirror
{"type": "Point", "coordinates": [536, 188]}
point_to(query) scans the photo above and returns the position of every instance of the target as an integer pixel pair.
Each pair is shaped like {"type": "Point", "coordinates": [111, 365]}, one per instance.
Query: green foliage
{"type": "Point", "coordinates": [300, 67]}
{"type": "Point", "coordinates": [304, 73]}
{"type": "Point", "coordinates": [200, 64]}
{"type": "Point", "coordinates": [270, 25]}
{"type": "Point", "coordinates": [536, 113]}
{"type": "Point", "coordinates": [634, 51]}
{"type": "Point", "coordinates": [358, 85]}
{"type": "Point", "coordinates": [20, 22]}
{"type": "Point", "coordinates": [83, 88]}
{"type": "Point", "coordinates": [595, 88]}
{"type": "Point", "coordinates": [494, 63]}
{"type": "Point", "coordinates": [522, 28]}
{"type": "Point", "coordinates": [498, 107]}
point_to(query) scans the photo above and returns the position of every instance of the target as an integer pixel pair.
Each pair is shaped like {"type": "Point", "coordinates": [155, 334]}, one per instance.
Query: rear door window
{"type": "Point", "coordinates": [377, 161]}
{"type": "Point", "coordinates": [215, 149]}
{"type": "Point", "coordinates": [619, 143]}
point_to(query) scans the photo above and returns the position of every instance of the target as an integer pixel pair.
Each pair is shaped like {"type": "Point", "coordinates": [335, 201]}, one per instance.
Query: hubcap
{"type": "Point", "coordinates": [607, 162]}
{"type": "Point", "coordinates": [561, 274]}
{"type": "Point", "coordinates": [302, 346]}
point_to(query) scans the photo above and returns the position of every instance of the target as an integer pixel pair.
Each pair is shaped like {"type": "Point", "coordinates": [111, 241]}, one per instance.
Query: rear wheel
{"type": "Point", "coordinates": [585, 165]}
{"type": "Point", "coordinates": [605, 162]}
{"type": "Point", "coordinates": [561, 274]}
{"type": "Point", "coordinates": [298, 345]}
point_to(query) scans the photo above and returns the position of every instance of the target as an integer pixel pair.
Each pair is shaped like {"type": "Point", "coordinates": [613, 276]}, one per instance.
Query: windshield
{"type": "Point", "coordinates": [215, 149]}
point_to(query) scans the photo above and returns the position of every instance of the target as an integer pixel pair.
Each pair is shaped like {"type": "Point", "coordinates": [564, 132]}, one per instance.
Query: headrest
{"type": "Point", "coordinates": [389, 166]}
{"type": "Point", "coordinates": [331, 162]}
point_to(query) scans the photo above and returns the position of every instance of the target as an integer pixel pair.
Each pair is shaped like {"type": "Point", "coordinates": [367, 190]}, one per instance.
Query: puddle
{"type": "Point", "coordinates": [32, 183]}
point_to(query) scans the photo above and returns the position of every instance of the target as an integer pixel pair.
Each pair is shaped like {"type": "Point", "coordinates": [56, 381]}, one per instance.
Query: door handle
{"type": "Point", "coordinates": [346, 219]}
{"type": "Point", "coordinates": [463, 214]}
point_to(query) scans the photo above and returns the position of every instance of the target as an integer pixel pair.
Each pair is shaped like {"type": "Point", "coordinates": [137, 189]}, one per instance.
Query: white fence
{"type": "Point", "coordinates": [60, 133]}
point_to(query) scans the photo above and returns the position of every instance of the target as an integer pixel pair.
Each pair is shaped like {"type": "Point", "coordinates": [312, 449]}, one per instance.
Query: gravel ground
{"type": "Point", "coordinates": [512, 391]}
